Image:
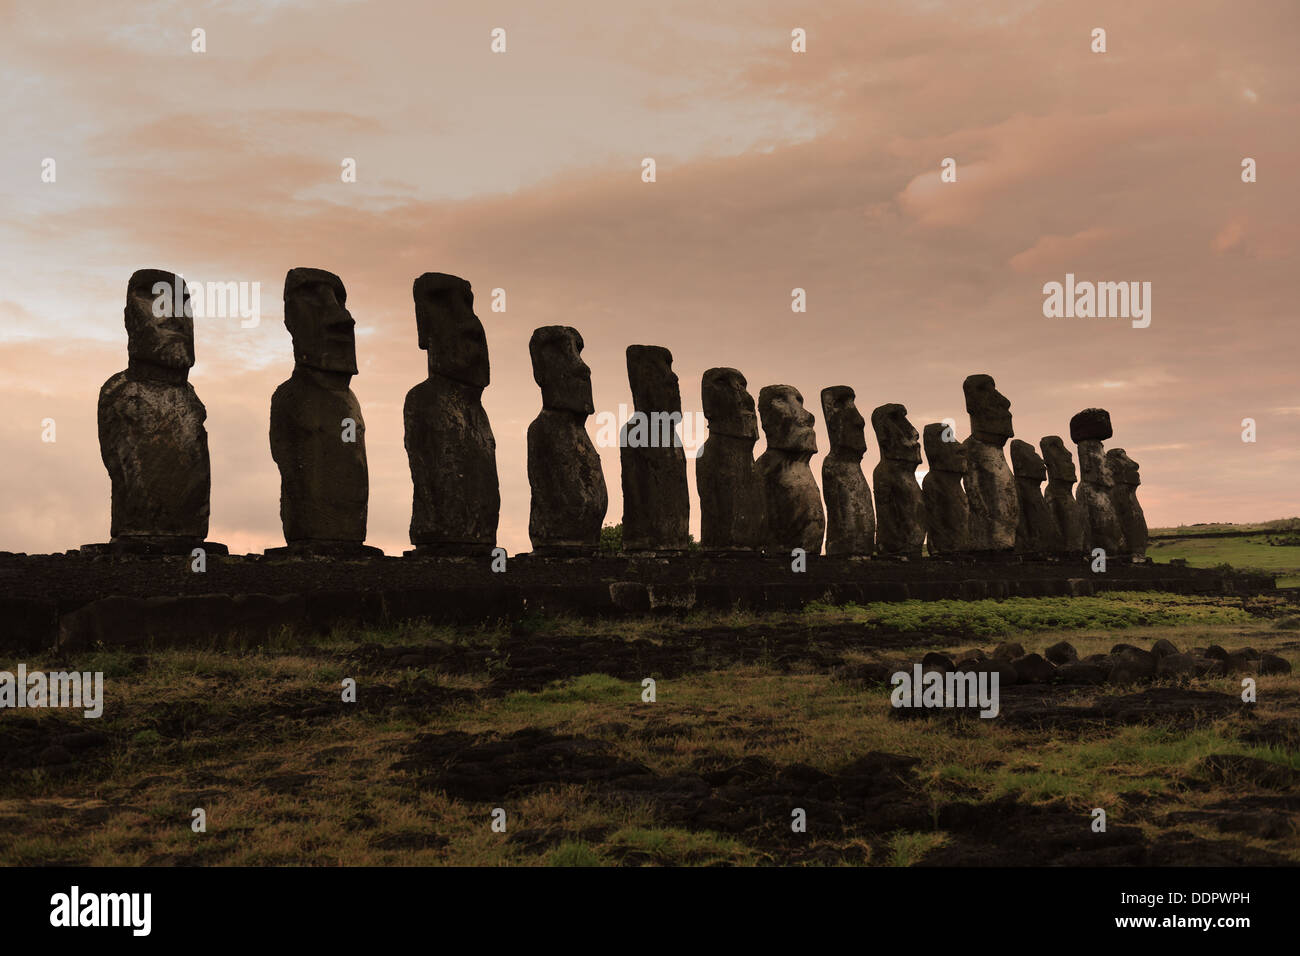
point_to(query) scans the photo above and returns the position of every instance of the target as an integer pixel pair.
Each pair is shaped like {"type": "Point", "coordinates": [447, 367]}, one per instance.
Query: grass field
{"type": "Point", "coordinates": [754, 719]}
{"type": "Point", "coordinates": [1244, 554]}
{"type": "Point", "coordinates": [1277, 525]}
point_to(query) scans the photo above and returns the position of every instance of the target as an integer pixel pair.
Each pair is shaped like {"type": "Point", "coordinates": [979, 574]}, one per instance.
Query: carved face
{"type": "Point", "coordinates": [165, 340]}
{"type": "Point", "coordinates": [728, 406]}
{"type": "Point", "coordinates": [1092, 463]}
{"type": "Point", "coordinates": [897, 439]}
{"type": "Point", "coordinates": [449, 330]}
{"type": "Point", "coordinates": [315, 313]}
{"type": "Point", "coordinates": [1059, 461]}
{"type": "Point", "coordinates": [654, 383]}
{"type": "Point", "coordinates": [1123, 469]}
{"type": "Point", "coordinates": [844, 423]}
{"type": "Point", "coordinates": [786, 423]}
{"type": "Point", "coordinates": [565, 379]}
{"type": "Point", "coordinates": [1025, 462]}
{"type": "Point", "coordinates": [944, 455]}
{"type": "Point", "coordinates": [990, 410]}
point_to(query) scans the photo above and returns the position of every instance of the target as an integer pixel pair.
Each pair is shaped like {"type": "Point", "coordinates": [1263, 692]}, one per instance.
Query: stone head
{"type": "Point", "coordinates": [316, 315]}
{"type": "Point", "coordinates": [728, 406]}
{"type": "Point", "coordinates": [654, 383]}
{"type": "Point", "coordinates": [786, 423]}
{"type": "Point", "coordinates": [1091, 424]}
{"type": "Point", "coordinates": [897, 439]}
{"type": "Point", "coordinates": [1025, 462]}
{"type": "Point", "coordinates": [1092, 463]}
{"type": "Point", "coordinates": [449, 330]}
{"type": "Point", "coordinates": [989, 409]}
{"type": "Point", "coordinates": [159, 329]}
{"type": "Point", "coordinates": [944, 455]}
{"type": "Point", "coordinates": [844, 423]}
{"type": "Point", "coordinates": [559, 370]}
{"type": "Point", "coordinates": [1123, 469]}
{"type": "Point", "coordinates": [1057, 458]}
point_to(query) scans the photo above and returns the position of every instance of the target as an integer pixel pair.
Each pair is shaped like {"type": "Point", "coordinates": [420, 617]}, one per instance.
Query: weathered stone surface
{"type": "Point", "coordinates": [1061, 476]}
{"type": "Point", "coordinates": [900, 509]}
{"type": "Point", "coordinates": [1002, 666]}
{"type": "Point", "coordinates": [569, 498]}
{"type": "Point", "coordinates": [1101, 523]}
{"type": "Point", "coordinates": [850, 518]}
{"type": "Point", "coordinates": [795, 518]}
{"type": "Point", "coordinates": [1163, 648]}
{"type": "Point", "coordinates": [1123, 493]}
{"type": "Point", "coordinates": [990, 488]}
{"type": "Point", "coordinates": [733, 516]}
{"type": "Point", "coordinates": [1177, 665]}
{"type": "Point", "coordinates": [935, 661]}
{"type": "Point", "coordinates": [449, 443]}
{"type": "Point", "coordinates": [1062, 652]}
{"type": "Point", "coordinates": [1081, 672]}
{"type": "Point", "coordinates": [947, 512]}
{"type": "Point", "coordinates": [656, 501]}
{"type": "Point", "coordinates": [1270, 664]}
{"type": "Point", "coordinates": [1036, 531]}
{"type": "Point", "coordinates": [1131, 664]}
{"type": "Point", "coordinates": [318, 437]}
{"type": "Point", "coordinates": [1034, 669]}
{"type": "Point", "coordinates": [1008, 650]}
{"type": "Point", "coordinates": [1091, 424]}
{"type": "Point", "coordinates": [152, 437]}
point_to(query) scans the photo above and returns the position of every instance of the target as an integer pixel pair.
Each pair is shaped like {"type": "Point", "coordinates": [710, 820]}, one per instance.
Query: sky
{"type": "Point", "coordinates": [774, 170]}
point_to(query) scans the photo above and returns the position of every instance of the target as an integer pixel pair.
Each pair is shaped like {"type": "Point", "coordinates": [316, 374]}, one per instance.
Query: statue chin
{"type": "Point", "coordinates": [177, 356]}
{"type": "Point", "coordinates": [335, 365]}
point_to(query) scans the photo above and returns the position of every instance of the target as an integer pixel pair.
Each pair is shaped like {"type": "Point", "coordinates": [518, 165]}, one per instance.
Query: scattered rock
{"type": "Point", "coordinates": [937, 661]}
{"type": "Point", "coordinates": [1176, 665]}
{"type": "Point", "coordinates": [1062, 652]}
{"type": "Point", "coordinates": [1008, 651]}
{"type": "Point", "coordinates": [1034, 669]}
{"type": "Point", "coordinates": [1163, 648]}
{"type": "Point", "coordinates": [1082, 672]}
{"type": "Point", "coordinates": [1272, 664]}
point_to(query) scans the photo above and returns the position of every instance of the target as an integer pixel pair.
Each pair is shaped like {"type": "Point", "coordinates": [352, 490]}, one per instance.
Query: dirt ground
{"type": "Point", "coordinates": [542, 727]}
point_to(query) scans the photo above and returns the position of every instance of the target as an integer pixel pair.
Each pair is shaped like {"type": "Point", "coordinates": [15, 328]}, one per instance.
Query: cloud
{"type": "Point", "coordinates": [776, 170]}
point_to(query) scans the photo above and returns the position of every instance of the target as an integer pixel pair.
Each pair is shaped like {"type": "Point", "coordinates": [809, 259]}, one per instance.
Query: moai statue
{"type": "Point", "coordinates": [947, 513]}
{"type": "Point", "coordinates": [569, 498]}
{"type": "Point", "coordinates": [1036, 531]}
{"type": "Point", "coordinates": [1102, 529]}
{"type": "Point", "coordinates": [318, 438]}
{"type": "Point", "coordinates": [656, 500]}
{"type": "Point", "coordinates": [1066, 513]}
{"type": "Point", "coordinates": [850, 519]}
{"type": "Point", "coordinates": [1124, 484]}
{"type": "Point", "coordinates": [151, 433]}
{"type": "Point", "coordinates": [900, 509]}
{"type": "Point", "coordinates": [990, 488]}
{"type": "Point", "coordinates": [449, 443]}
{"type": "Point", "coordinates": [733, 516]}
{"type": "Point", "coordinates": [795, 518]}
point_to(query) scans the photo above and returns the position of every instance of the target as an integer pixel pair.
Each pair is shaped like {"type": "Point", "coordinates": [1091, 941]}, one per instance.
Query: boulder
{"type": "Point", "coordinates": [1062, 652]}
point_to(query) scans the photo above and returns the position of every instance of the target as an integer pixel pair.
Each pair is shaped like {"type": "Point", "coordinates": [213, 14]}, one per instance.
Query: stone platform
{"type": "Point", "coordinates": [75, 600]}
